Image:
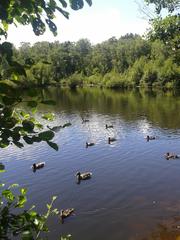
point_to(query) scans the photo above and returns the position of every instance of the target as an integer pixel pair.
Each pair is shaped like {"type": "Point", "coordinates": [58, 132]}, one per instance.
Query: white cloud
{"type": "Point", "coordinates": [89, 23]}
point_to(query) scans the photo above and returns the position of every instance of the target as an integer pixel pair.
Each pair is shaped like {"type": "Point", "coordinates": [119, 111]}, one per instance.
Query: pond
{"type": "Point", "coordinates": [134, 191]}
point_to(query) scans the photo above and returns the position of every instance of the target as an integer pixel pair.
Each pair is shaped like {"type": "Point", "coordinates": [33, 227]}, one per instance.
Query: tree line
{"type": "Point", "coordinates": [129, 61]}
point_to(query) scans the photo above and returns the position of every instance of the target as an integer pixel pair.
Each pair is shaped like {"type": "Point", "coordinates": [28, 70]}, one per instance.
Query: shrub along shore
{"type": "Point", "coordinates": [127, 62]}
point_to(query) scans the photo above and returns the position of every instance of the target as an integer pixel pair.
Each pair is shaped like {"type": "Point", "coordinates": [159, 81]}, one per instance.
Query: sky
{"type": "Point", "coordinates": [101, 21]}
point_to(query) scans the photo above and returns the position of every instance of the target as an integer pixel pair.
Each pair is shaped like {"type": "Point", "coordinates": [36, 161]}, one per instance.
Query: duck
{"type": "Point", "coordinates": [150, 138]}
{"type": "Point", "coordinates": [111, 139]}
{"type": "Point", "coordinates": [36, 166]}
{"type": "Point", "coordinates": [83, 176]}
{"type": "Point", "coordinates": [66, 213]}
{"type": "Point", "coordinates": [109, 126]}
{"type": "Point", "coordinates": [85, 120]}
{"type": "Point", "coordinates": [170, 156]}
{"type": "Point", "coordinates": [89, 144]}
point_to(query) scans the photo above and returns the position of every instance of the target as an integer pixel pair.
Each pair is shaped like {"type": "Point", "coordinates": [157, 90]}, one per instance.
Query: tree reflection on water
{"type": "Point", "coordinates": [168, 230]}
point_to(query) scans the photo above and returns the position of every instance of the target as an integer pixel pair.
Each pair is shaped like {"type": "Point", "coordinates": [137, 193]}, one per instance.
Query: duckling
{"type": "Point", "coordinates": [109, 126]}
{"type": "Point", "coordinates": [66, 213]}
{"type": "Point", "coordinates": [89, 144]}
{"type": "Point", "coordinates": [36, 166]}
{"type": "Point", "coordinates": [150, 138]}
{"type": "Point", "coordinates": [83, 176]}
{"type": "Point", "coordinates": [170, 156]}
{"type": "Point", "coordinates": [111, 139]}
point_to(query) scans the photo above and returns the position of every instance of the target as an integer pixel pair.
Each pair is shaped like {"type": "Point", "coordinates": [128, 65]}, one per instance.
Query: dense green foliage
{"type": "Point", "coordinates": [126, 62]}
{"type": "Point", "coordinates": [26, 224]}
{"type": "Point", "coordinates": [166, 28]}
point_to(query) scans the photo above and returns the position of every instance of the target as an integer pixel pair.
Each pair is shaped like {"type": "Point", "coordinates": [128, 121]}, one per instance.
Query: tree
{"type": "Point", "coordinates": [166, 29]}
{"type": "Point", "coordinates": [170, 5]}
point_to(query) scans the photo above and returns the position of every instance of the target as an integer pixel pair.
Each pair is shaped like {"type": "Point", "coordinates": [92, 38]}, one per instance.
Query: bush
{"type": "Point", "coordinates": [169, 73]}
{"type": "Point", "coordinates": [75, 80]}
{"type": "Point", "coordinates": [150, 75]}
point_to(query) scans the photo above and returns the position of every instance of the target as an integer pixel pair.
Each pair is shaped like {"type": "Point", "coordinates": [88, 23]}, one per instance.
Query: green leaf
{"type": "Point", "coordinates": [17, 129]}
{"type": "Point", "coordinates": [9, 122]}
{"type": "Point", "coordinates": [3, 145]}
{"type": "Point", "coordinates": [38, 26]}
{"type": "Point", "coordinates": [67, 237]}
{"type": "Point", "coordinates": [48, 206]}
{"type": "Point", "coordinates": [23, 191]}
{"type": "Point", "coordinates": [18, 144]}
{"type": "Point", "coordinates": [54, 198]}
{"type": "Point", "coordinates": [38, 125]}
{"type": "Point", "coordinates": [33, 110]}
{"type": "Point", "coordinates": [76, 4]}
{"type": "Point", "coordinates": [89, 2]}
{"type": "Point", "coordinates": [55, 211]}
{"type": "Point", "coordinates": [53, 145]}
{"type": "Point", "coordinates": [52, 26]}
{"type": "Point", "coordinates": [14, 185]}
{"type": "Point", "coordinates": [8, 195]}
{"type": "Point", "coordinates": [63, 2]}
{"type": "Point", "coordinates": [46, 136]}
{"type": "Point", "coordinates": [48, 116]}
{"type": "Point", "coordinates": [33, 213]}
{"type": "Point", "coordinates": [24, 114]}
{"type": "Point", "coordinates": [36, 139]}
{"type": "Point", "coordinates": [66, 14]}
{"type": "Point", "coordinates": [16, 136]}
{"type": "Point", "coordinates": [2, 167]}
{"type": "Point", "coordinates": [28, 125]}
{"type": "Point", "coordinates": [28, 140]}
{"type": "Point", "coordinates": [27, 235]}
{"type": "Point", "coordinates": [21, 201]}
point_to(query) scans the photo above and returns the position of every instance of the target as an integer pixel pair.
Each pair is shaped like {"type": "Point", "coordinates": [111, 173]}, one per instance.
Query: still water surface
{"type": "Point", "coordinates": [133, 188]}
